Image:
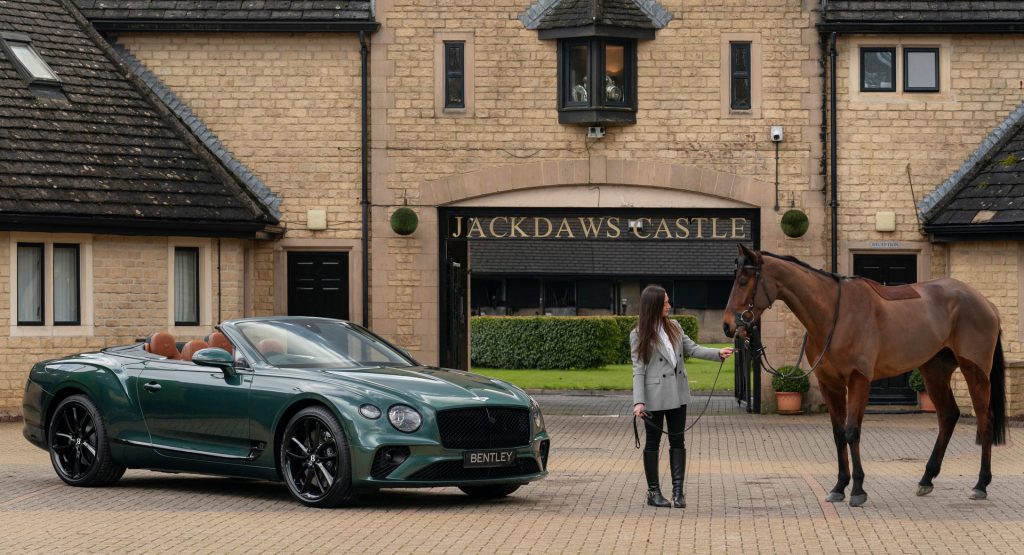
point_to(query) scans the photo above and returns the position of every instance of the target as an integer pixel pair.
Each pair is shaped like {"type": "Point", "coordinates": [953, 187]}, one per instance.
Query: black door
{"type": "Point", "coordinates": [318, 284]}
{"type": "Point", "coordinates": [889, 269]}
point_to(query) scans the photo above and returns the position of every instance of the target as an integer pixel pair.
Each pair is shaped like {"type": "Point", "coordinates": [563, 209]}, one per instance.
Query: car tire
{"type": "Point", "coordinates": [314, 459]}
{"type": "Point", "coordinates": [78, 445]}
{"type": "Point", "coordinates": [490, 492]}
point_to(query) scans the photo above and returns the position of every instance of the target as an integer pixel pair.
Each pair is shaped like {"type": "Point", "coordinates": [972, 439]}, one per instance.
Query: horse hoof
{"type": "Point", "coordinates": [978, 494]}
{"type": "Point", "coordinates": [858, 500]}
{"type": "Point", "coordinates": [924, 490]}
{"type": "Point", "coordinates": [835, 497]}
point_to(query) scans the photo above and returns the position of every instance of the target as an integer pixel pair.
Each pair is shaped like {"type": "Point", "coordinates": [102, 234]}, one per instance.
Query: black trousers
{"type": "Point", "coordinates": [676, 425]}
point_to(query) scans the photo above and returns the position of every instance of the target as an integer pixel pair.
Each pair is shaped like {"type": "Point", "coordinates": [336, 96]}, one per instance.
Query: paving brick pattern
{"type": "Point", "coordinates": [755, 484]}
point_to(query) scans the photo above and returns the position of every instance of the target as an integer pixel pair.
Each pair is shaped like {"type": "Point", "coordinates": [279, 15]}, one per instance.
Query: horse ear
{"type": "Point", "coordinates": [747, 253]}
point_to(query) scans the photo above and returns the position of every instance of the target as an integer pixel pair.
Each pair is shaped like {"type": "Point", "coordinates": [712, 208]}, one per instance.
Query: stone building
{"type": "Point", "coordinates": [561, 155]}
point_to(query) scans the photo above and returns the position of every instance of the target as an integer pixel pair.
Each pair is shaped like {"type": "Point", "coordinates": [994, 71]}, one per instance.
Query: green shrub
{"type": "Point", "coordinates": [543, 341]}
{"type": "Point", "coordinates": [627, 323]}
{"type": "Point", "coordinates": [791, 379]}
{"type": "Point", "coordinates": [916, 380]}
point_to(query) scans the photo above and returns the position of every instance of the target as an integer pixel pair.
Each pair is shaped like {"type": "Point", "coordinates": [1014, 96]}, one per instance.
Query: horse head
{"type": "Point", "coordinates": [748, 298]}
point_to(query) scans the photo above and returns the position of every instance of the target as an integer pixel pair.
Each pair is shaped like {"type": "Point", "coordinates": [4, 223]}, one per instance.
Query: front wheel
{"type": "Point", "coordinates": [489, 492]}
{"type": "Point", "coordinates": [315, 459]}
{"type": "Point", "coordinates": [79, 449]}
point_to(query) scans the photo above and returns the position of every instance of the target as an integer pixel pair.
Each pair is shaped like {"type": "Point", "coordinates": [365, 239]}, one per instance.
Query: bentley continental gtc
{"type": "Point", "coordinates": [323, 405]}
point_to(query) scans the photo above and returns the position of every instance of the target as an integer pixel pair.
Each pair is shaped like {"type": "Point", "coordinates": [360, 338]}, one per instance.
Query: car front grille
{"type": "Point", "coordinates": [484, 427]}
{"type": "Point", "coordinates": [453, 470]}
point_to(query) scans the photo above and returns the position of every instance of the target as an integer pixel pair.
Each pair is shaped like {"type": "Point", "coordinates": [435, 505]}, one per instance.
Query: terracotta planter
{"type": "Point", "coordinates": [925, 402]}
{"type": "Point", "coordinates": [789, 402]}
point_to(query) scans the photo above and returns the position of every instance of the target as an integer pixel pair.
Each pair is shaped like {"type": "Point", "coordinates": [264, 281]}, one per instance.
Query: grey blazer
{"type": "Point", "coordinates": [661, 383]}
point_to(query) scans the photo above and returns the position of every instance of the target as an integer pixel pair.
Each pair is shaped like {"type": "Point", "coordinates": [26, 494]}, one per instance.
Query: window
{"type": "Point", "coordinates": [454, 74]}
{"type": "Point", "coordinates": [186, 286]}
{"type": "Point", "coordinates": [597, 80]}
{"type": "Point", "coordinates": [739, 71]}
{"type": "Point", "coordinates": [877, 69]}
{"type": "Point", "coordinates": [65, 285]}
{"type": "Point", "coordinates": [41, 79]}
{"type": "Point", "coordinates": [921, 69]}
{"type": "Point", "coordinates": [66, 309]}
{"type": "Point", "coordinates": [30, 284]}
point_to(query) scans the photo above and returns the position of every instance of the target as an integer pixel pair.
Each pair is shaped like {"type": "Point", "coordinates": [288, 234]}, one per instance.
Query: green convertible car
{"type": "Point", "coordinates": [323, 405]}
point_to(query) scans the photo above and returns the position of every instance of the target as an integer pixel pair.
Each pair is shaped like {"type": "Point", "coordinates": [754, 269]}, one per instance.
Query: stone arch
{"type": "Point", "coordinates": [596, 170]}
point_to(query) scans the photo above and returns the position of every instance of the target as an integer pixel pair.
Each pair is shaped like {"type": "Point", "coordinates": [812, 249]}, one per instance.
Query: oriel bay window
{"type": "Point", "coordinates": [597, 82]}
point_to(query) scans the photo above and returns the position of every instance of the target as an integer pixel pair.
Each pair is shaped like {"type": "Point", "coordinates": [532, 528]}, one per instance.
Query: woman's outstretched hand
{"type": "Point", "coordinates": [725, 353]}
{"type": "Point", "coordinates": [638, 410]}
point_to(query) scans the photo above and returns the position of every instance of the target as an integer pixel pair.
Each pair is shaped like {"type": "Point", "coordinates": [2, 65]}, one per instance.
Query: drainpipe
{"type": "Point", "coordinates": [364, 52]}
{"type": "Point", "coordinates": [832, 154]}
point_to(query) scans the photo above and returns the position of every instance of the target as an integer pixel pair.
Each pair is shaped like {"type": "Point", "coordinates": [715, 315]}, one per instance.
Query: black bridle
{"type": "Point", "coordinates": [747, 320]}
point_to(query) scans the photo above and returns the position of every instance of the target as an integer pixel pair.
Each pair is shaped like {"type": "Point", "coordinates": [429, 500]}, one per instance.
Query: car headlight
{"type": "Point", "coordinates": [536, 416]}
{"type": "Point", "coordinates": [404, 418]}
{"type": "Point", "coordinates": [369, 411]}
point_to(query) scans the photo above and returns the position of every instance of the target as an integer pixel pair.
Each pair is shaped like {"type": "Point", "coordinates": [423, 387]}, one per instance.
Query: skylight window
{"type": "Point", "coordinates": [18, 48]}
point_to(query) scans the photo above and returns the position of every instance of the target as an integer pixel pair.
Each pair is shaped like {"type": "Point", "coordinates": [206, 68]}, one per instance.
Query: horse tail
{"type": "Point", "coordinates": [997, 398]}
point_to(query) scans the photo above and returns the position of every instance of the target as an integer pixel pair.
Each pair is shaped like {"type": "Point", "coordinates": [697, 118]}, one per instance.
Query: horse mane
{"type": "Point", "coordinates": [801, 263]}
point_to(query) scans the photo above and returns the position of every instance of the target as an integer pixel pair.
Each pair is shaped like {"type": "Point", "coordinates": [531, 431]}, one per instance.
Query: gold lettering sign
{"type": "Point", "coordinates": [599, 227]}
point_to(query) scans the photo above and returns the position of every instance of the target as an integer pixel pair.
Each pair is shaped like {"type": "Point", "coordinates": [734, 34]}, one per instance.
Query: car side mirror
{"type": "Point", "coordinates": [217, 358]}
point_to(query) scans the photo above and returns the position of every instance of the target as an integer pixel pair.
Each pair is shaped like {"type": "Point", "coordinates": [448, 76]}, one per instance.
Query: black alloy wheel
{"type": "Point", "coordinates": [79, 449]}
{"type": "Point", "coordinates": [490, 492]}
{"type": "Point", "coordinates": [315, 460]}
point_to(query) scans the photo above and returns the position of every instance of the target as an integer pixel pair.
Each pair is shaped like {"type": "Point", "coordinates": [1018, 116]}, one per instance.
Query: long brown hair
{"type": "Point", "coordinates": [652, 303]}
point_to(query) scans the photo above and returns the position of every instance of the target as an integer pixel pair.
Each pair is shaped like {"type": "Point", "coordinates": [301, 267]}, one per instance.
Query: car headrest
{"type": "Point", "coordinates": [162, 343]}
{"type": "Point", "coordinates": [192, 347]}
{"type": "Point", "coordinates": [219, 340]}
{"type": "Point", "coordinates": [270, 346]}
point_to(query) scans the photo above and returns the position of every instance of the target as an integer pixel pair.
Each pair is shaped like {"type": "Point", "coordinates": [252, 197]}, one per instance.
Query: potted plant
{"type": "Point", "coordinates": [790, 384]}
{"type": "Point", "coordinates": [917, 384]}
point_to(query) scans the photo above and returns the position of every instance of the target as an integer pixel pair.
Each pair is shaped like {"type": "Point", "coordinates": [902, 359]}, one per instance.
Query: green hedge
{"type": "Point", "coordinates": [555, 342]}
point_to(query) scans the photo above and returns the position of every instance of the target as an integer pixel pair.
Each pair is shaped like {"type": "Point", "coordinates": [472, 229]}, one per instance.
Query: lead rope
{"type": "Point", "coordinates": [636, 431]}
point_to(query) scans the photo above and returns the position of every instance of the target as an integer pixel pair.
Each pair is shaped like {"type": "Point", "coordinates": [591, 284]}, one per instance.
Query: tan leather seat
{"type": "Point", "coordinates": [192, 347]}
{"type": "Point", "coordinates": [219, 340]}
{"type": "Point", "coordinates": [162, 343]}
{"type": "Point", "coordinates": [270, 346]}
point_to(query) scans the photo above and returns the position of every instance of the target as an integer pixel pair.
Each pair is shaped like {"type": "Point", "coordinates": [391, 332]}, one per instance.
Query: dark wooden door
{"type": "Point", "coordinates": [318, 284]}
{"type": "Point", "coordinates": [889, 269]}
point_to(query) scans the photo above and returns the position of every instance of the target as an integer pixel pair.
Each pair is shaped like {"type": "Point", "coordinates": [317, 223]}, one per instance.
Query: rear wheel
{"type": "Point", "coordinates": [79, 449]}
{"type": "Point", "coordinates": [489, 492]}
{"type": "Point", "coordinates": [315, 459]}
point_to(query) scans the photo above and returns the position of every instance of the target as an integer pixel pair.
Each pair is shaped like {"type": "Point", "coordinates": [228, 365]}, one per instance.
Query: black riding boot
{"type": "Point", "coordinates": [654, 497]}
{"type": "Point", "coordinates": [677, 461]}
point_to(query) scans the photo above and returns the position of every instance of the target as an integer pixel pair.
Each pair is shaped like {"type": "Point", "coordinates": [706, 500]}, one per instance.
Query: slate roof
{"type": "Point", "coordinates": [295, 15]}
{"type": "Point", "coordinates": [984, 198]}
{"type": "Point", "coordinates": [923, 16]}
{"type": "Point", "coordinates": [109, 157]}
{"type": "Point", "coordinates": [625, 14]}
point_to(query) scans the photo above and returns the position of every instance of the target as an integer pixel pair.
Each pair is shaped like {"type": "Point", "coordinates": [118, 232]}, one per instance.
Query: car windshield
{"type": "Point", "coordinates": [316, 343]}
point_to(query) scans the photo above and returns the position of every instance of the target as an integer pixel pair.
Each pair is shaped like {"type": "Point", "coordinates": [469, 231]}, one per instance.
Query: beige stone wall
{"type": "Point", "coordinates": [128, 300]}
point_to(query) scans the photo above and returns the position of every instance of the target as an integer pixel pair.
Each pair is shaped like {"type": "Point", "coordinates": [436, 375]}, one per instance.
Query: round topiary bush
{"type": "Point", "coordinates": [916, 381]}
{"type": "Point", "coordinates": [794, 223]}
{"type": "Point", "coordinates": [791, 379]}
{"type": "Point", "coordinates": [404, 221]}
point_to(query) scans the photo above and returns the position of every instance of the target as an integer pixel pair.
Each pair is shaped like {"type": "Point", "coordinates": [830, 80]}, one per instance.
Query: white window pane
{"type": "Point", "coordinates": [921, 72]}
{"type": "Point", "coordinates": [32, 62]}
{"type": "Point", "coordinates": [65, 284]}
{"type": "Point", "coordinates": [186, 285]}
{"type": "Point", "coordinates": [30, 284]}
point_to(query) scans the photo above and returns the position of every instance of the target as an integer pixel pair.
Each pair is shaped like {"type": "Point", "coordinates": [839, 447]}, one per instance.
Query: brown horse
{"type": "Point", "coordinates": [858, 333]}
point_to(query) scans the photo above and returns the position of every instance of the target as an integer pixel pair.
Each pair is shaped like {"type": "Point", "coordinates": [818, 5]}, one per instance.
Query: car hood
{"type": "Point", "coordinates": [436, 387]}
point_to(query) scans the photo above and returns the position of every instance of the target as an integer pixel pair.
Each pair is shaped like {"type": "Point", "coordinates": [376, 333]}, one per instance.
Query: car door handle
{"type": "Point", "coordinates": [151, 386]}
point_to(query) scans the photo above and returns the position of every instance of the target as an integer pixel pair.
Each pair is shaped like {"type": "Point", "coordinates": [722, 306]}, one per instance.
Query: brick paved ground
{"type": "Point", "coordinates": [755, 484]}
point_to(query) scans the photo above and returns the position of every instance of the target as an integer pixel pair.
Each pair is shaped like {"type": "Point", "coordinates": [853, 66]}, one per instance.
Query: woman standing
{"type": "Point", "coordinates": [661, 389]}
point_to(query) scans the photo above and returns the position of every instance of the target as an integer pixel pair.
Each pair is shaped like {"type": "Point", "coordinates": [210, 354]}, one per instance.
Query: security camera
{"type": "Point", "coordinates": [595, 132]}
{"type": "Point", "coordinates": [776, 133]}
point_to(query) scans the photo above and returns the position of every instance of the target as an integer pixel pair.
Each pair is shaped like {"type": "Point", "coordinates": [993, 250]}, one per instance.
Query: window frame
{"type": "Point", "coordinates": [460, 46]}
{"type": "Point", "coordinates": [597, 108]}
{"type": "Point", "coordinates": [78, 285]}
{"type": "Point", "coordinates": [895, 71]}
{"type": "Point", "coordinates": [42, 285]}
{"type": "Point", "coordinates": [907, 50]}
{"type": "Point", "coordinates": [197, 281]}
{"type": "Point", "coordinates": [734, 74]}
